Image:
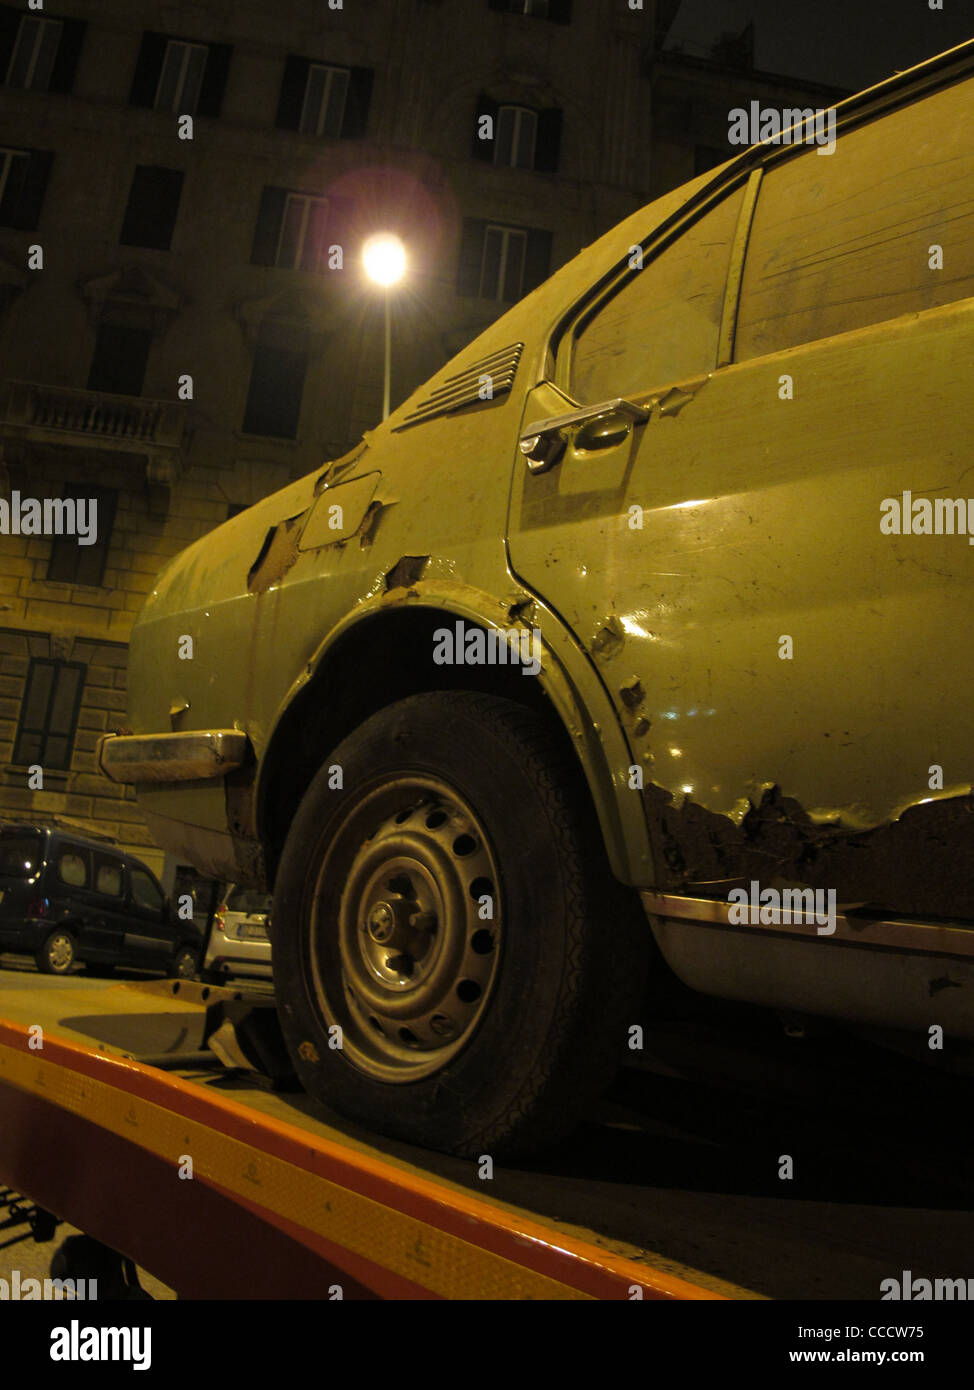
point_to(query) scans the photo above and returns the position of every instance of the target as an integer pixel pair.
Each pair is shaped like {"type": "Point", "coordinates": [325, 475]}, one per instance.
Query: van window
{"type": "Point", "coordinates": [663, 325]}
{"type": "Point", "coordinates": [841, 241]}
{"type": "Point", "coordinates": [72, 868]}
{"type": "Point", "coordinates": [20, 855]}
{"type": "Point", "coordinates": [144, 891]}
{"type": "Point", "coordinates": [108, 876]}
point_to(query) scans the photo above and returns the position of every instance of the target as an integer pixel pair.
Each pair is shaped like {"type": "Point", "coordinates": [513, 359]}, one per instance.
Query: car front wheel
{"type": "Point", "coordinates": [455, 965]}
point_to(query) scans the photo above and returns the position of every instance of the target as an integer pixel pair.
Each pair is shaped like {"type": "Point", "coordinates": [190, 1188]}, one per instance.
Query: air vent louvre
{"type": "Point", "coordinates": [464, 387]}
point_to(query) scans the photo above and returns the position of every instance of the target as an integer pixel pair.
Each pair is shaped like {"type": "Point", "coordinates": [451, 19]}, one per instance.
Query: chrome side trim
{"type": "Point", "coordinates": [851, 929]}
{"type": "Point", "coordinates": [171, 757]}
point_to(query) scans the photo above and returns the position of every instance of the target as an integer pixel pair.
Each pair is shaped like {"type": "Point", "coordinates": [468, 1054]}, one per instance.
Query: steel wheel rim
{"type": "Point", "coordinates": [60, 951]}
{"type": "Point", "coordinates": [401, 957]}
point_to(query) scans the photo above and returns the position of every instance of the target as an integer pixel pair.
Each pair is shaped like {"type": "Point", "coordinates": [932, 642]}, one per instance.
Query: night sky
{"type": "Point", "coordinates": [848, 43]}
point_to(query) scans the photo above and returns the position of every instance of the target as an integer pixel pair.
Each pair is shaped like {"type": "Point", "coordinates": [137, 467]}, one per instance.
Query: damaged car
{"type": "Point", "coordinates": [601, 658]}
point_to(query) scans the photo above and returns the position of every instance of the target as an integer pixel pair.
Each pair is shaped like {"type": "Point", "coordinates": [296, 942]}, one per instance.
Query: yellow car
{"type": "Point", "coordinates": [637, 640]}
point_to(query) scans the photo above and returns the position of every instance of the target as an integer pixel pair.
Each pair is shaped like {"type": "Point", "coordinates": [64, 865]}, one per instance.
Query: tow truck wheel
{"type": "Point", "coordinates": [455, 965]}
{"type": "Point", "coordinates": [56, 956]}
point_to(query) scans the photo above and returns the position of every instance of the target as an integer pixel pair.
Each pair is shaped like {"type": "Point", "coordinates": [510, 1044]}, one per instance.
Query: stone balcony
{"type": "Point", "coordinates": [65, 415]}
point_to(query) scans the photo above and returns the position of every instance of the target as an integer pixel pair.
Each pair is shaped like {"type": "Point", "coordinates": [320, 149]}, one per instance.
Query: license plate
{"type": "Point", "coordinates": [252, 929]}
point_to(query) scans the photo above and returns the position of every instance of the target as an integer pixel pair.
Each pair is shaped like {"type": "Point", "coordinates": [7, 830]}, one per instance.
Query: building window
{"type": "Point", "coordinates": [49, 713]}
{"type": "Point", "coordinates": [23, 183]}
{"type": "Point", "coordinates": [179, 75]}
{"type": "Point", "coordinates": [706, 157]}
{"type": "Point", "coordinates": [150, 215]}
{"type": "Point", "coordinates": [295, 230]}
{"type": "Point", "coordinates": [276, 384]}
{"type": "Point", "coordinates": [39, 53]}
{"type": "Point", "coordinates": [119, 361]}
{"type": "Point", "coordinates": [514, 142]}
{"type": "Point", "coordinates": [71, 563]}
{"type": "Point", "coordinates": [322, 99]}
{"type": "Point", "coordinates": [501, 262]}
{"type": "Point", "coordinates": [559, 11]}
{"type": "Point", "coordinates": [522, 138]}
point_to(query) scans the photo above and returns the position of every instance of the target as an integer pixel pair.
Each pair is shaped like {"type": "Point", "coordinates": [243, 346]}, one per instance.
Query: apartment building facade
{"type": "Point", "coordinates": [184, 324]}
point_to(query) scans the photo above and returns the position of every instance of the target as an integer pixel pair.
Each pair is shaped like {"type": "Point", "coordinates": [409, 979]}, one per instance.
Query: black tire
{"type": "Point", "coordinates": [184, 965]}
{"type": "Point", "coordinates": [520, 1061]}
{"type": "Point", "coordinates": [58, 954]}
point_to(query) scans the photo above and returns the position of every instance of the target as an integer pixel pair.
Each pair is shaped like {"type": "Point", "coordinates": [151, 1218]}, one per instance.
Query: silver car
{"type": "Point", "coordinates": [239, 941]}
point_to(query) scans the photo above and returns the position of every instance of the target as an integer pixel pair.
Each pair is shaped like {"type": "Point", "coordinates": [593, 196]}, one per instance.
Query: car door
{"type": "Point", "coordinates": [713, 537]}
{"type": "Point", "coordinates": [109, 889]}
{"type": "Point", "coordinates": [73, 899]}
{"type": "Point", "coordinates": [148, 937]}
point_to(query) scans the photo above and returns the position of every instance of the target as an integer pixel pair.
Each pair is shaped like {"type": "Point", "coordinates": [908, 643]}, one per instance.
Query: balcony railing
{"type": "Point", "coordinates": [114, 422]}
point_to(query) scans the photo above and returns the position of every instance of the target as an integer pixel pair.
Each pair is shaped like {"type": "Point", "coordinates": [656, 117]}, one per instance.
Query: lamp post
{"type": "Point", "coordinates": [384, 259]}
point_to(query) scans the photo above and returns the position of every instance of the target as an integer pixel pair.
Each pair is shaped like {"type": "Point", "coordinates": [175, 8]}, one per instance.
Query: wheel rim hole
{"type": "Point", "coordinates": [377, 1025]}
{"type": "Point", "coordinates": [407, 1036]}
{"type": "Point", "coordinates": [482, 942]}
{"type": "Point", "coordinates": [468, 991]}
{"type": "Point", "coordinates": [481, 888]}
{"type": "Point", "coordinates": [403, 816]}
{"type": "Point", "coordinates": [401, 884]}
{"type": "Point", "coordinates": [435, 819]}
{"type": "Point", "coordinates": [464, 845]}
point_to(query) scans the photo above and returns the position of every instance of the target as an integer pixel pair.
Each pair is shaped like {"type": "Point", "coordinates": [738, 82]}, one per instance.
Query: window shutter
{"type": "Point", "coordinates": [268, 230]}
{"type": "Point", "coordinates": [66, 58]}
{"type": "Point", "coordinates": [549, 141]}
{"type": "Point", "coordinates": [9, 24]}
{"type": "Point", "coordinates": [357, 103]}
{"type": "Point", "coordinates": [471, 256]}
{"type": "Point", "coordinates": [537, 261]}
{"type": "Point", "coordinates": [148, 69]}
{"type": "Point", "coordinates": [484, 149]}
{"type": "Point", "coordinates": [214, 80]}
{"type": "Point", "coordinates": [294, 84]}
{"type": "Point", "coordinates": [26, 212]}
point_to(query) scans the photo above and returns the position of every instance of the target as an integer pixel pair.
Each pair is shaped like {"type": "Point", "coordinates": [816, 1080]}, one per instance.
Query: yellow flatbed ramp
{"type": "Point", "coordinates": [222, 1187]}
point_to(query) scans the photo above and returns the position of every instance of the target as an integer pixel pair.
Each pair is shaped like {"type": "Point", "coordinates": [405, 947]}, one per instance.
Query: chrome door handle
{"type": "Point", "coordinates": [542, 441]}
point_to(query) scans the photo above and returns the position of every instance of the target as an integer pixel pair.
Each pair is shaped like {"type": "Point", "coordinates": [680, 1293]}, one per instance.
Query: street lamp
{"type": "Point", "coordinates": [384, 259]}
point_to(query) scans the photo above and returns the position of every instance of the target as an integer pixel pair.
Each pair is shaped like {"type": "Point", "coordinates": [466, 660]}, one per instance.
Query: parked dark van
{"type": "Point", "coordinates": [65, 899]}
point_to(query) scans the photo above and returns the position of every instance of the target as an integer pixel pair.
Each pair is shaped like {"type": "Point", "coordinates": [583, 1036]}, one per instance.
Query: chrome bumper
{"type": "Point", "coordinates": [171, 757]}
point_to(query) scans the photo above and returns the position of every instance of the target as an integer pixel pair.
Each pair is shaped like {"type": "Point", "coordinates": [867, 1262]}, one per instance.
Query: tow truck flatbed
{"type": "Point", "coordinates": [220, 1186]}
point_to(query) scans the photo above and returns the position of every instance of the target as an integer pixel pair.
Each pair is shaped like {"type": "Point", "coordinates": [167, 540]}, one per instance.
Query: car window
{"type": "Point", "coordinates": [144, 891]}
{"type": "Point", "coordinates": [108, 876]}
{"type": "Point", "coordinates": [663, 325]}
{"type": "Point", "coordinates": [248, 900]}
{"type": "Point", "coordinates": [845, 240]}
{"type": "Point", "coordinates": [20, 855]}
{"type": "Point", "coordinates": [72, 868]}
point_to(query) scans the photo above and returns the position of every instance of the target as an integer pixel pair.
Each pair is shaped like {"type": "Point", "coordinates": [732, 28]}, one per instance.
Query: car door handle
{"type": "Point", "coordinates": [543, 441]}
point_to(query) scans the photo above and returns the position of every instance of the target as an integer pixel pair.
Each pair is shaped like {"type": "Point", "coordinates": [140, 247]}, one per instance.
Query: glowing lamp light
{"type": "Point", "coordinates": [384, 259]}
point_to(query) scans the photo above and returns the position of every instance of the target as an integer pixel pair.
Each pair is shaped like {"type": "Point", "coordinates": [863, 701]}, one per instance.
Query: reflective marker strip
{"type": "Point", "coordinates": [440, 1262]}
